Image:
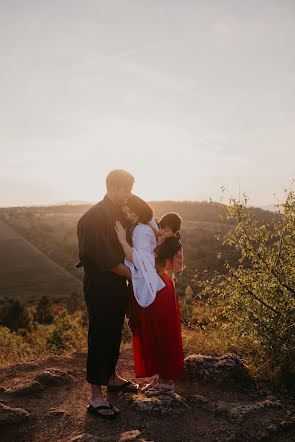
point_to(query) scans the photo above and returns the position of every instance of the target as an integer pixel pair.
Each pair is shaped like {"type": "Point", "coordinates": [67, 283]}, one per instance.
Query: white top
{"type": "Point", "coordinates": [145, 279]}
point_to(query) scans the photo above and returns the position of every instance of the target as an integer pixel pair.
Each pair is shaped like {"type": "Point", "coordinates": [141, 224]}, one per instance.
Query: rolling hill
{"type": "Point", "coordinates": [27, 272]}
{"type": "Point", "coordinates": [52, 231]}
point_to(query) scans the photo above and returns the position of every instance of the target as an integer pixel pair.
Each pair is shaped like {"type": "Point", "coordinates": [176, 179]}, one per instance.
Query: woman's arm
{"type": "Point", "coordinates": [121, 234]}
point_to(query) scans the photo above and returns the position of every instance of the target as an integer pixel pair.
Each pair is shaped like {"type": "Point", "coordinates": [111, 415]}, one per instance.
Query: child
{"type": "Point", "coordinates": [169, 252]}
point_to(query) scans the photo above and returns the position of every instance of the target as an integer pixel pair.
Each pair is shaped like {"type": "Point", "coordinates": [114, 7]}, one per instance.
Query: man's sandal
{"type": "Point", "coordinates": [95, 410]}
{"type": "Point", "coordinates": [128, 386]}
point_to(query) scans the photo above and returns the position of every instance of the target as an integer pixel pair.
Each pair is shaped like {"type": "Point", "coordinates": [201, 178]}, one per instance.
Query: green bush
{"type": "Point", "coordinates": [66, 334]}
{"type": "Point", "coordinates": [44, 311]}
{"type": "Point", "coordinates": [75, 302]}
{"type": "Point", "coordinates": [194, 317]}
{"type": "Point", "coordinates": [257, 297]}
{"type": "Point", "coordinates": [13, 347]}
{"type": "Point", "coordinates": [126, 332]}
{"type": "Point", "coordinates": [15, 315]}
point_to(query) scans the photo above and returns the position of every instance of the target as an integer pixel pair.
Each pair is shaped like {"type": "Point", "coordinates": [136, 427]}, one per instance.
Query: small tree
{"type": "Point", "coordinates": [44, 311]}
{"type": "Point", "coordinates": [15, 315]}
{"type": "Point", "coordinates": [258, 296]}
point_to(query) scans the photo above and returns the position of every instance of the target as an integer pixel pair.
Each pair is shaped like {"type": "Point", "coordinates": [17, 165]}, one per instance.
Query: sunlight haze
{"type": "Point", "coordinates": [186, 95]}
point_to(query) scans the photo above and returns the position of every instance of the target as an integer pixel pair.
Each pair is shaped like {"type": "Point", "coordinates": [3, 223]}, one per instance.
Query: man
{"type": "Point", "coordinates": [105, 289]}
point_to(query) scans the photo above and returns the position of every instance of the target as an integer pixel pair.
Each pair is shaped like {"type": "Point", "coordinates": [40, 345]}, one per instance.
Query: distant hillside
{"type": "Point", "coordinates": [26, 272]}
{"type": "Point", "coordinates": [53, 231]}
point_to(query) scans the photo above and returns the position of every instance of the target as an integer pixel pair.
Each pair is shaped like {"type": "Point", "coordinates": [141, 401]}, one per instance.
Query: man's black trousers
{"type": "Point", "coordinates": [106, 299]}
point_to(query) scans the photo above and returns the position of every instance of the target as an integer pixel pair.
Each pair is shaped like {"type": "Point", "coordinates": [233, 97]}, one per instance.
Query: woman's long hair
{"type": "Point", "coordinates": [141, 208]}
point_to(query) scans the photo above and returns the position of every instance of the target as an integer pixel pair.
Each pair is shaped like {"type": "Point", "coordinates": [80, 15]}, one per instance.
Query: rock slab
{"type": "Point", "coordinates": [216, 368]}
{"type": "Point", "coordinates": [129, 435]}
{"type": "Point", "coordinates": [10, 415]}
{"type": "Point", "coordinates": [238, 412]}
{"type": "Point", "coordinates": [53, 376]}
{"type": "Point", "coordinates": [160, 403]}
{"type": "Point", "coordinates": [26, 389]}
{"type": "Point", "coordinates": [123, 437]}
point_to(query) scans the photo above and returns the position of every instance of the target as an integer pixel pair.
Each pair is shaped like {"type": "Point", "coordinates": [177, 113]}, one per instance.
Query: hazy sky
{"type": "Point", "coordinates": [186, 95]}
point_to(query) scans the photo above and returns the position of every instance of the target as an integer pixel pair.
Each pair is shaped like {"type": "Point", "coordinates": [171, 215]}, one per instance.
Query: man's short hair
{"type": "Point", "coordinates": [172, 220]}
{"type": "Point", "coordinates": [119, 178]}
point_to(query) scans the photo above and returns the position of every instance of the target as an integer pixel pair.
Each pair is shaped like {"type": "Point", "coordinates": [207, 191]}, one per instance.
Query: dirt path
{"type": "Point", "coordinates": [205, 412]}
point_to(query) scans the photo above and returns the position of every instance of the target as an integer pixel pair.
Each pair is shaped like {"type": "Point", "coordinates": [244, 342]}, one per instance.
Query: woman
{"type": "Point", "coordinates": [154, 309]}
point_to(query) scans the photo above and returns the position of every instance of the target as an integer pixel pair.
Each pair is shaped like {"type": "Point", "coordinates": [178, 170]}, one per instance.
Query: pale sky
{"type": "Point", "coordinates": [186, 95]}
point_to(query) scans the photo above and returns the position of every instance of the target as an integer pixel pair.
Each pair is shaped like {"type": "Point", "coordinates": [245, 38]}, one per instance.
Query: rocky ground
{"type": "Point", "coordinates": [214, 401]}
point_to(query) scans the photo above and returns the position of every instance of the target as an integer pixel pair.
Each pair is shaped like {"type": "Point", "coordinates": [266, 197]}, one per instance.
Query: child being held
{"type": "Point", "coordinates": [169, 252]}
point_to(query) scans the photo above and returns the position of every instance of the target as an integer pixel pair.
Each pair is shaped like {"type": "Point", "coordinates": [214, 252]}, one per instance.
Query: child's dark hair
{"type": "Point", "coordinates": [141, 208]}
{"type": "Point", "coordinates": [172, 220]}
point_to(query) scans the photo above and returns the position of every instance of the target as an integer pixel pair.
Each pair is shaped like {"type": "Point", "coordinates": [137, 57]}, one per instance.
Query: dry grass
{"type": "Point", "coordinates": [217, 341]}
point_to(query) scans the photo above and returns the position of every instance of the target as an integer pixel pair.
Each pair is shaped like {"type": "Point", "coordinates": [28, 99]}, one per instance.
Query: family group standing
{"type": "Point", "coordinates": [126, 255]}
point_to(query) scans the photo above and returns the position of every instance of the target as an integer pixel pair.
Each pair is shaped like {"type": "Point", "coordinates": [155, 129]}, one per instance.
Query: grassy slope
{"type": "Point", "coordinates": [25, 271]}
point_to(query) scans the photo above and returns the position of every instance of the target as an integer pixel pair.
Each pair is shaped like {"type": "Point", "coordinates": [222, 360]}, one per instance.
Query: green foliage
{"type": "Point", "coordinates": [15, 315]}
{"type": "Point", "coordinates": [188, 299]}
{"type": "Point", "coordinates": [126, 332]}
{"type": "Point", "coordinates": [187, 314]}
{"type": "Point", "coordinates": [66, 334]}
{"type": "Point", "coordinates": [12, 346]}
{"type": "Point", "coordinates": [194, 317]}
{"type": "Point", "coordinates": [75, 302]}
{"type": "Point", "coordinates": [257, 296]}
{"type": "Point", "coordinates": [44, 311]}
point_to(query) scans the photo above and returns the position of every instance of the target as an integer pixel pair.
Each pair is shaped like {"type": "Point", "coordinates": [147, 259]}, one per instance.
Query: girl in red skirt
{"type": "Point", "coordinates": [154, 309]}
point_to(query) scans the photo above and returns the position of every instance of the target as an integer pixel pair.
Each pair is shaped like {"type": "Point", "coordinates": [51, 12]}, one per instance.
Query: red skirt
{"type": "Point", "coordinates": [157, 341]}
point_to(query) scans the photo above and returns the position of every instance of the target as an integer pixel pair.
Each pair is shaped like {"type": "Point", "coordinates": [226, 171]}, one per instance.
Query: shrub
{"type": "Point", "coordinates": [188, 295]}
{"type": "Point", "coordinates": [15, 315]}
{"type": "Point", "coordinates": [187, 314]}
{"type": "Point", "coordinates": [126, 332]}
{"type": "Point", "coordinates": [75, 302]}
{"type": "Point", "coordinates": [66, 334]}
{"type": "Point", "coordinates": [13, 347]}
{"type": "Point", "coordinates": [195, 317]}
{"type": "Point", "coordinates": [44, 311]}
{"type": "Point", "coordinates": [257, 297]}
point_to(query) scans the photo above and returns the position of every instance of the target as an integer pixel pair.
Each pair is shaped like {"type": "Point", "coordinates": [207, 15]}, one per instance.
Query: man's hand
{"type": "Point", "coordinates": [122, 270]}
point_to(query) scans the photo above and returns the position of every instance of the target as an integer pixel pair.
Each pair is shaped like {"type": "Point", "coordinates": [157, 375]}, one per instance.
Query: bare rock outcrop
{"type": "Point", "coordinates": [160, 403]}
{"type": "Point", "coordinates": [86, 437]}
{"type": "Point", "coordinates": [217, 369]}
{"type": "Point", "coordinates": [53, 376]}
{"type": "Point", "coordinates": [238, 412]}
{"type": "Point", "coordinates": [127, 436]}
{"type": "Point", "coordinates": [27, 388]}
{"type": "Point", "coordinates": [10, 415]}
